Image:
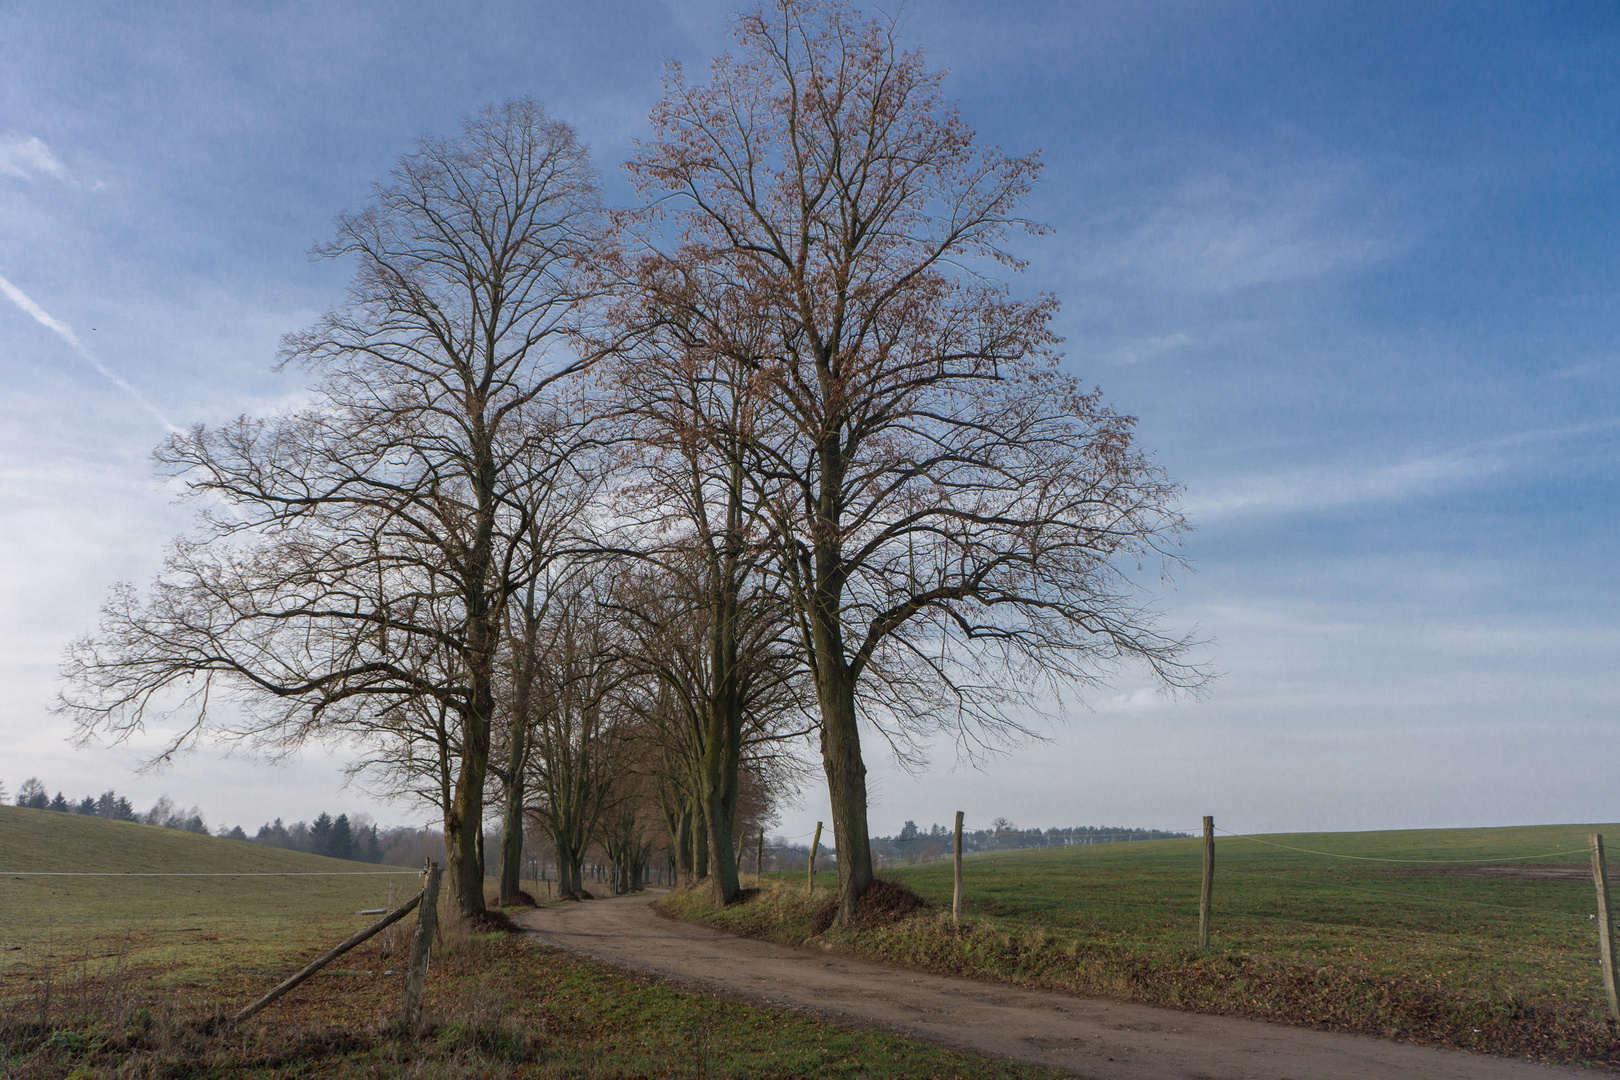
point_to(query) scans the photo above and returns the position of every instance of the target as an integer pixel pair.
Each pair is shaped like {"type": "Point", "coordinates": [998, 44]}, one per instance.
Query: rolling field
{"type": "Point", "coordinates": [1479, 938]}
{"type": "Point", "coordinates": [171, 929]}
{"type": "Point", "coordinates": [133, 977]}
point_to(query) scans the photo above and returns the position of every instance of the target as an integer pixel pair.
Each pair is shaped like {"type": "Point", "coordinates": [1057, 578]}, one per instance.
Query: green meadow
{"type": "Point", "coordinates": [1509, 908]}
{"type": "Point", "coordinates": [171, 927]}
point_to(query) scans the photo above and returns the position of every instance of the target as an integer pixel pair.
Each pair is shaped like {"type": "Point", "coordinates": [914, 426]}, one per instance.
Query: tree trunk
{"type": "Point", "coordinates": [464, 820]}
{"type": "Point", "coordinates": [720, 764]}
{"type": "Point", "coordinates": [700, 844]}
{"type": "Point", "coordinates": [512, 838]}
{"type": "Point", "coordinates": [517, 758]}
{"type": "Point", "coordinates": [683, 849]}
{"type": "Point", "coordinates": [846, 783]}
{"type": "Point", "coordinates": [570, 873]}
{"type": "Point", "coordinates": [722, 875]}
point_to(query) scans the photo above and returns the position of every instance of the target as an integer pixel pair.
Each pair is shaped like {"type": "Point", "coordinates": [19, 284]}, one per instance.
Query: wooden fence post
{"type": "Point", "coordinates": [956, 893]}
{"type": "Point", "coordinates": [759, 857]}
{"type": "Point", "coordinates": [1605, 926]}
{"type": "Point", "coordinates": [427, 921]}
{"type": "Point", "coordinates": [815, 846]}
{"type": "Point", "coordinates": [310, 969]}
{"type": "Point", "coordinates": [1208, 891]}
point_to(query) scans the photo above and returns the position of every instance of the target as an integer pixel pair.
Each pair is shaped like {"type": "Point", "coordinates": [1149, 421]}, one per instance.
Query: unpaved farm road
{"type": "Point", "coordinates": [1106, 1040]}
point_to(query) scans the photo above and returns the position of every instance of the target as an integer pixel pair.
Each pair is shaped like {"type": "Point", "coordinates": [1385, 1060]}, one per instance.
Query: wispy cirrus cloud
{"type": "Point", "coordinates": [27, 158]}
{"type": "Point", "coordinates": [1235, 228]}
{"type": "Point", "coordinates": [1339, 485]}
{"type": "Point", "coordinates": [65, 332]}
{"type": "Point", "coordinates": [1151, 347]}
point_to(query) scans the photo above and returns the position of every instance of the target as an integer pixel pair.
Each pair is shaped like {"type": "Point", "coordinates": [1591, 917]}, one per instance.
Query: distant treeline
{"type": "Point", "coordinates": [338, 838]}
{"type": "Point", "coordinates": [913, 844]}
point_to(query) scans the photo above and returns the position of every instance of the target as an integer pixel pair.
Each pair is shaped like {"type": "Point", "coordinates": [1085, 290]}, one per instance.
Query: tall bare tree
{"type": "Point", "coordinates": [715, 701]}
{"type": "Point", "coordinates": [563, 485]}
{"type": "Point", "coordinates": [399, 483]}
{"type": "Point", "coordinates": [576, 714]}
{"type": "Point", "coordinates": [956, 519]}
{"type": "Point", "coordinates": [708, 621]}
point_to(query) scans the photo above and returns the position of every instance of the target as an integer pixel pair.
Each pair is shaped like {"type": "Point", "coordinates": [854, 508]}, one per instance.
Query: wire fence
{"type": "Point", "coordinates": [1484, 914]}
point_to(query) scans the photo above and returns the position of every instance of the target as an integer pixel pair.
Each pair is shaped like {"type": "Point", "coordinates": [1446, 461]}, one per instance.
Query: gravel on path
{"type": "Point", "coordinates": [1107, 1040]}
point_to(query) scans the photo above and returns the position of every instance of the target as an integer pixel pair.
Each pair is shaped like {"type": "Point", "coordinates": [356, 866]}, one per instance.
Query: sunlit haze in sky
{"type": "Point", "coordinates": [1355, 267]}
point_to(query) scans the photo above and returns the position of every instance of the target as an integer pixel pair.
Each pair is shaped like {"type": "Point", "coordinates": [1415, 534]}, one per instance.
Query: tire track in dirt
{"type": "Point", "coordinates": [1107, 1040]}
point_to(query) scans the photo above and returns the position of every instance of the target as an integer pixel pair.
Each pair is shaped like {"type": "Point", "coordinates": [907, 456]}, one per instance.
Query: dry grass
{"type": "Point", "coordinates": [1455, 953]}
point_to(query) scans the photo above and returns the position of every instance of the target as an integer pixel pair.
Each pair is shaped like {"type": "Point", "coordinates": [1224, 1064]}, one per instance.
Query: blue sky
{"type": "Point", "coordinates": [1356, 268]}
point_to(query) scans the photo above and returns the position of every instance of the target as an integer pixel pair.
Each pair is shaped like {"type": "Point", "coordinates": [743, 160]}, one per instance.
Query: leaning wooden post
{"type": "Point", "coordinates": [1605, 927]}
{"type": "Point", "coordinates": [759, 857]}
{"type": "Point", "coordinates": [815, 845]}
{"type": "Point", "coordinates": [956, 894]}
{"type": "Point", "coordinates": [427, 920]}
{"type": "Point", "coordinates": [293, 980]}
{"type": "Point", "coordinates": [1208, 891]}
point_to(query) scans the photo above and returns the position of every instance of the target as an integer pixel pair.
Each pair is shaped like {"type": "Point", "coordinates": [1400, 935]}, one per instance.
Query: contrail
{"type": "Point", "coordinates": [65, 332]}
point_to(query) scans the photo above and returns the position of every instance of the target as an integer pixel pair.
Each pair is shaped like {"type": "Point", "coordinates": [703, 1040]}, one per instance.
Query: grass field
{"type": "Point", "coordinates": [171, 928]}
{"type": "Point", "coordinates": [1481, 938]}
{"type": "Point", "coordinates": [132, 977]}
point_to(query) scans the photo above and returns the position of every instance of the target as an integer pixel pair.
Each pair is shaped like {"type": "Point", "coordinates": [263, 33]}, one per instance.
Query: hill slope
{"type": "Point", "coordinates": [48, 841]}
{"type": "Point", "coordinates": [254, 907]}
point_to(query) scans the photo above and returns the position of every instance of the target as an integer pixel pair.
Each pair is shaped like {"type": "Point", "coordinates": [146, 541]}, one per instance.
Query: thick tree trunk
{"type": "Point", "coordinates": [464, 819]}
{"type": "Point", "coordinates": [720, 764]}
{"type": "Point", "coordinates": [700, 845]}
{"type": "Point", "coordinates": [517, 756]}
{"type": "Point", "coordinates": [722, 875]}
{"type": "Point", "coordinates": [465, 842]}
{"type": "Point", "coordinates": [512, 839]}
{"type": "Point", "coordinates": [846, 783]}
{"type": "Point", "coordinates": [835, 679]}
{"type": "Point", "coordinates": [722, 755]}
{"type": "Point", "coordinates": [681, 836]}
{"type": "Point", "coordinates": [570, 871]}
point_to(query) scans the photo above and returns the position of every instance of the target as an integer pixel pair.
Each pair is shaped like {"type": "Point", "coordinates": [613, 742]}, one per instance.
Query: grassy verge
{"type": "Point", "coordinates": [1464, 942]}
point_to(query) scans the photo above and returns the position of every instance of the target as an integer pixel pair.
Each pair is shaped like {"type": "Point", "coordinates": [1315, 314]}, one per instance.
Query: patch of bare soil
{"type": "Point", "coordinates": [1106, 1040]}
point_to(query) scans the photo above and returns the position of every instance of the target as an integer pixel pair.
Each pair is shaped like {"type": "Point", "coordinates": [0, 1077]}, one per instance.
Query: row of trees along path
{"type": "Point", "coordinates": [599, 510]}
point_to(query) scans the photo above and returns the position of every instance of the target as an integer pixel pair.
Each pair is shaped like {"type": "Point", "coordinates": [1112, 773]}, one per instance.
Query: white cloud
{"type": "Point", "coordinates": [25, 158]}
{"type": "Point", "coordinates": [1137, 350]}
{"type": "Point", "coordinates": [1238, 228]}
{"type": "Point", "coordinates": [1304, 490]}
{"type": "Point", "coordinates": [1336, 485]}
{"type": "Point", "coordinates": [1136, 701]}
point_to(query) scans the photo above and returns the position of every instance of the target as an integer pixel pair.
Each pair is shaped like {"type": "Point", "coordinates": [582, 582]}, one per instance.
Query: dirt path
{"type": "Point", "coordinates": [1091, 1037]}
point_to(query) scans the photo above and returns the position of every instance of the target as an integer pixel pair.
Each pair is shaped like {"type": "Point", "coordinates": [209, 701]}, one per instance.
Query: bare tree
{"type": "Point", "coordinates": [329, 530]}
{"type": "Point", "coordinates": [706, 619]}
{"type": "Point", "coordinates": [574, 713]}
{"type": "Point", "coordinates": [563, 486]}
{"type": "Point", "coordinates": [715, 700]}
{"type": "Point", "coordinates": [956, 519]}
